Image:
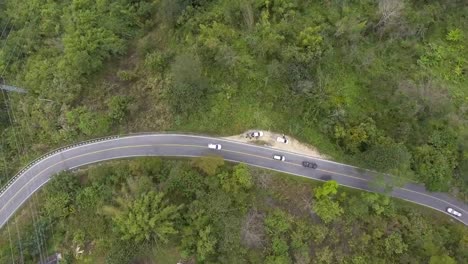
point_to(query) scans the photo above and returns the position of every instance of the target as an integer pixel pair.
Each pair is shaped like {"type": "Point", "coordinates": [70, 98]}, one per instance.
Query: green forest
{"type": "Point", "coordinates": [204, 210]}
{"type": "Point", "coordinates": [380, 84]}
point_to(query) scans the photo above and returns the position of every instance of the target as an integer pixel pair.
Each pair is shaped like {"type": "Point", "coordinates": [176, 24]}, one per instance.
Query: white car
{"type": "Point", "coordinates": [256, 134]}
{"type": "Point", "coordinates": [214, 146]}
{"type": "Point", "coordinates": [282, 140]}
{"type": "Point", "coordinates": [279, 157]}
{"type": "Point", "coordinates": [453, 212]}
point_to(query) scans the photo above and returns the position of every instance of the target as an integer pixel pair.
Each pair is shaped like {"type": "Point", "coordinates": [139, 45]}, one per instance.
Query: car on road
{"type": "Point", "coordinates": [279, 157]}
{"type": "Point", "coordinates": [309, 164]}
{"type": "Point", "coordinates": [256, 134]}
{"type": "Point", "coordinates": [214, 146]}
{"type": "Point", "coordinates": [282, 139]}
{"type": "Point", "coordinates": [452, 211]}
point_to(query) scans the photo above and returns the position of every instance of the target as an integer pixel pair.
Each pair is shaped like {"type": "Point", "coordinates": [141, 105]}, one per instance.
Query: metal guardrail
{"type": "Point", "coordinates": [102, 139]}
{"type": "Point", "coordinates": [55, 151]}
{"type": "Point", "coordinates": [50, 153]}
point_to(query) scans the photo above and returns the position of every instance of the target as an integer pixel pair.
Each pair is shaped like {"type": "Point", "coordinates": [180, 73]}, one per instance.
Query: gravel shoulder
{"type": "Point", "coordinates": [269, 139]}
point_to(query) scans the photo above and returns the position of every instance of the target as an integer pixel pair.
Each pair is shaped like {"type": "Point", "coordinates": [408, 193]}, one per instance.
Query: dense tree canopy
{"type": "Point", "coordinates": [369, 82]}
{"type": "Point", "coordinates": [152, 209]}
{"type": "Point", "coordinates": [380, 84]}
{"type": "Point", "coordinates": [147, 218]}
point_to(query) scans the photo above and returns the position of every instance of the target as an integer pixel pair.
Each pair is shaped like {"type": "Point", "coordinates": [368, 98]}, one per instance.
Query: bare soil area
{"type": "Point", "coordinates": [269, 139]}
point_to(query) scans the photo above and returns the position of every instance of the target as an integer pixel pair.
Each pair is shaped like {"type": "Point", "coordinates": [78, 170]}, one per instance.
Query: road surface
{"type": "Point", "coordinates": [32, 178]}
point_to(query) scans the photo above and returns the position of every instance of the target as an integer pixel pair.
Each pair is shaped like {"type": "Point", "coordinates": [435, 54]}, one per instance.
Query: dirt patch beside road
{"type": "Point", "coordinates": [269, 139]}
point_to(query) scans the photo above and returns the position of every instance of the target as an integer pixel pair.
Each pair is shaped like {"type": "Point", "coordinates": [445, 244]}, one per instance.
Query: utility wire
{"type": "Point", "coordinates": [41, 240]}
{"type": "Point", "coordinates": [19, 240]}
{"type": "Point", "coordinates": [21, 149]}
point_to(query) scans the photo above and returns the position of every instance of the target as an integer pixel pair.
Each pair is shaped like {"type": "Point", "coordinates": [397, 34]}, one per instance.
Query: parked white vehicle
{"type": "Point", "coordinates": [214, 146]}
{"type": "Point", "coordinates": [282, 139]}
{"type": "Point", "coordinates": [256, 134]}
{"type": "Point", "coordinates": [279, 157]}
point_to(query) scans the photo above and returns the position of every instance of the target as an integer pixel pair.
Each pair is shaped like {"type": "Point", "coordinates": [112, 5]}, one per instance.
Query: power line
{"type": "Point", "coordinates": [19, 240]}
{"type": "Point", "coordinates": [20, 149]}
{"type": "Point", "coordinates": [4, 28]}
{"type": "Point", "coordinates": [7, 108]}
{"type": "Point", "coordinates": [40, 237]}
{"type": "Point", "coordinates": [11, 245]}
{"type": "Point", "coordinates": [38, 240]}
{"type": "Point", "coordinates": [7, 105]}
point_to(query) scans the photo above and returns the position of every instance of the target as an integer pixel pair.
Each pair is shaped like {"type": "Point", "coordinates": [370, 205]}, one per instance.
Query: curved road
{"type": "Point", "coordinates": [33, 178]}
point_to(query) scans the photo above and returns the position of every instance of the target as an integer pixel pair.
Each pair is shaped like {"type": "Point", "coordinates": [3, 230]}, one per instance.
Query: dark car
{"type": "Point", "coordinates": [308, 164]}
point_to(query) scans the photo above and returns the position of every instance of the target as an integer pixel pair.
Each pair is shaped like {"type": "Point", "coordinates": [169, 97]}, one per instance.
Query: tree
{"type": "Point", "coordinates": [206, 243]}
{"type": "Point", "coordinates": [394, 244]}
{"type": "Point", "coordinates": [200, 237]}
{"type": "Point", "coordinates": [89, 198]}
{"type": "Point", "coordinates": [324, 255]}
{"type": "Point", "coordinates": [433, 168]}
{"type": "Point", "coordinates": [87, 122]}
{"type": "Point", "coordinates": [442, 259]}
{"type": "Point", "coordinates": [357, 208]}
{"type": "Point", "coordinates": [280, 253]}
{"type": "Point", "coordinates": [64, 182]}
{"type": "Point", "coordinates": [328, 189]}
{"type": "Point", "coordinates": [319, 233]}
{"type": "Point", "coordinates": [208, 164]}
{"type": "Point", "coordinates": [327, 209]}
{"type": "Point", "coordinates": [300, 244]}
{"type": "Point", "coordinates": [118, 108]}
{"type": "Point", "coordinates": [150, 166]}
{"type": "Point", "coordinates": [387, 157]}
{"type": "Point", "coordinates": [310, 39]}
{"type": "Point", "coordinates": [156, 61]}
{"type": "Point", "coordinates": [57, 205]}
{"type": "Point", "coordinates": [148, 218]}
{"type": "Point", "coordinates": [242, 176]}
{"type": "Point", "coordinates": [59, 196]}
{"type": "Point", "coordinates": [277, 223]}
{"type": "Point", "coordinates": [240, 179]}
{"type": "Point", "coordinates": [445, 60]}
{"type": "Point", "coordinates": [435, 161]}
{"type": "Point", "coordinates": [355, 138]}
{"type": "Point", "coordinates": [378, 203]}
{"type": "Point", "coordinates": [301, 235]}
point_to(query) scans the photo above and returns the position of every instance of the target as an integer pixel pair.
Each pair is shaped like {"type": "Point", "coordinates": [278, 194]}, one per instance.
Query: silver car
{"type": "Point", "coordinates": [279, 157]}
{"type": "Point", "coordinates": [452, 211]}
{"type": "Point", "coordinates": [214, 146]}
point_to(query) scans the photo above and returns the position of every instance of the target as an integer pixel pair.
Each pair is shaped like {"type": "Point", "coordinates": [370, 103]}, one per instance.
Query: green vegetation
{"type": "Point", "coordinates": [154, 211]}
{"type": "Point", "coordinates": [380, 84]}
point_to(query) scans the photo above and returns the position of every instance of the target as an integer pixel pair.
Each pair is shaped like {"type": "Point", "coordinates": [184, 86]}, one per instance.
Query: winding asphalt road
{"type": "Point", "coordinates": [179, 145]}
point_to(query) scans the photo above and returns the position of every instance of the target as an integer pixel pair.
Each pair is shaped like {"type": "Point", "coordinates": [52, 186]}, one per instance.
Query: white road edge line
{"type": "Point", "coordinates": [191, 156]}
{"type": "Point", "coordinates": [78, 145]}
